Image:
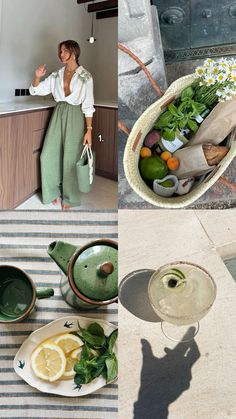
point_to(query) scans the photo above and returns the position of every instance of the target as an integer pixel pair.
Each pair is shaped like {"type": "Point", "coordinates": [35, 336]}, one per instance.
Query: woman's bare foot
{"type": "Point", "coordinates": [66, 207]}
{"type": "Point", "coordinates": [56, 201]}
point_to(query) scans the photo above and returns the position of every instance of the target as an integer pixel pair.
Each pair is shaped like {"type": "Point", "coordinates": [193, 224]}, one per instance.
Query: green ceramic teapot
{"type": "Point", "coordinates": [90, 273]}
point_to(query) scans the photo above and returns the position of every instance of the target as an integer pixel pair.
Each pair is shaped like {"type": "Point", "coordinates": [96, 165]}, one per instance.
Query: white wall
{"type": "Point", "coordinates": [105, 59]}
{"type": "Point", "coordinates": [29, 34]}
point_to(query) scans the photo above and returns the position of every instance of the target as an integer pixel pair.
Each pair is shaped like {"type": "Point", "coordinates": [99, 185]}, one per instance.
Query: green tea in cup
{"type": "Point", "coordinates": [17, 294]}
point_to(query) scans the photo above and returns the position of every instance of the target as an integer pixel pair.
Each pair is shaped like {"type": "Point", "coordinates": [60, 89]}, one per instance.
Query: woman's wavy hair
{"type": "Point", "coordinates": [72, 46]}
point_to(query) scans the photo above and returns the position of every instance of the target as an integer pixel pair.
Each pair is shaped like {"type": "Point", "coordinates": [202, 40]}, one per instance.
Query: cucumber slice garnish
{"type": "Point", "coordinates": [173, 279]}
{"type": "Point", "coordinates": [174, 273]}
{"type": "Point", "coordinates": [180, 273]}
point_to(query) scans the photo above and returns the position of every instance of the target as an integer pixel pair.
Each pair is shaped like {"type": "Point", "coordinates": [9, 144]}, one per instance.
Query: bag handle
{"type": "Point", "coordinates": [91, 163]}
{"type": "Point", "coordinates": [87, 149]}
{"type": "Point", "coordinates": [126, 50]}
{"type": "Point", "coordinates": [84, 151]}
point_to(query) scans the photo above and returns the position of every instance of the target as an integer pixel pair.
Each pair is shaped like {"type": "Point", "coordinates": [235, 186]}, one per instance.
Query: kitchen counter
{"type": "Point", "coordinates": [26, 105]}
{"type": "Point", "coordinates": [106, 104]}
{"type": "Point", "coordinates": [32, 105]}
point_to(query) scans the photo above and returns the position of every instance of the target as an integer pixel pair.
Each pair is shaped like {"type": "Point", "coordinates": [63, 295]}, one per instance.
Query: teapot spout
{"type": "Point", "coordinates": [61, 253]}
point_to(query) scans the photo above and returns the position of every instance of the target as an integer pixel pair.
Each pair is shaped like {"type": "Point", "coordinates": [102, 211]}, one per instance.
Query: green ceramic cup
{"type": "Point", "coordinates": [18, 294]}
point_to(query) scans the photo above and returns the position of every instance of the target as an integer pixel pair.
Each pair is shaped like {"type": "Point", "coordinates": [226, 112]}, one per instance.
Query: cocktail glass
{"type": "Point", "coordinates": [181, 293]}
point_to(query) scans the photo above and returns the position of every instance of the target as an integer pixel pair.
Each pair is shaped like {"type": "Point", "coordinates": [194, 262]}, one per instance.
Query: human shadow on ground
{"type": "Point", "coordinates": [163, 380]}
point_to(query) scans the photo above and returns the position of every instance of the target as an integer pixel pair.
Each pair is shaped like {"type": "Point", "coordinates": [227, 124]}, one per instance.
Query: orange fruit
{"type": "Point", "coordinates": [173, 163]}
{"type": "Point", "coordinates": [145, 152]}
{"type": "Point", "coordinates": [166, 155]}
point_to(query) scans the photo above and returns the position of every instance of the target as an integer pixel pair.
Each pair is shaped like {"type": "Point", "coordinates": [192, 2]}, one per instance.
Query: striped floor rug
{"type": "Point", "coordinates": [24, 237]}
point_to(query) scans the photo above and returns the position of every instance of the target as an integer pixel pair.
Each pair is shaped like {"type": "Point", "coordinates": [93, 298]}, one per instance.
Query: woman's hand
{"type": "Point", "coordinates": [88, 138]}
{"type": "Point", "coordinates": [40, 71]}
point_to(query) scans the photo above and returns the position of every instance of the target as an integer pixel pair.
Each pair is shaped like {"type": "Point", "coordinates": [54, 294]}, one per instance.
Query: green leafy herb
{"type": "Point", "coordinates": [93, 361]}
{"type": "Point", "coordinates": [193, 125]}
{"type": "Point", "coordinates": [164, 120]}
{"type": "Point", "coordinates": [181, 113]}
{"type": "Point", "coordinates": [111, 340]}
{"type": "Point", "coordinates": [96, 329]}
{"type": "Point", "coordinates": [168, 134]}
{"type": "Point", "coordinates": [188, 92]}
{"type": "Point", "coordinates": [173, 109]}
{"type": "Point", "coordinates": [94, 336]}
{"type": "Point", "coordinates": [112, 368]}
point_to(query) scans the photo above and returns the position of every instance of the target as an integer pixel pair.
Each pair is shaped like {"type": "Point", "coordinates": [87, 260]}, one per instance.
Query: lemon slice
{"type": "Point", "coordinates": [70, 362]}
{"type": "Point", "coordinates": [68, 342]}
{"type": "Point", "coordinates": [76, 354]}
{"type": "Point", "coordinates": [69, 371]}
{"type": "Point", "coordinates": [48, 362]}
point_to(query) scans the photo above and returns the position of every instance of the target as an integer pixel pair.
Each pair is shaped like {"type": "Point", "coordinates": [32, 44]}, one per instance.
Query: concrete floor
{"type": "Point", "coordinates": [102, 196]}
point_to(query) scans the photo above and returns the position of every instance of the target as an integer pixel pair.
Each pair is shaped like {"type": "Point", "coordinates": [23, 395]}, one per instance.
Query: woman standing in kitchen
{"type": "Point", "coordinates": [72, 89]}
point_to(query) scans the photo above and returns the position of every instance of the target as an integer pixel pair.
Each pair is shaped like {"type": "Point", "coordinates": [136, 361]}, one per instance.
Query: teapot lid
{"type": "Point", "coordinates": [93, 270]}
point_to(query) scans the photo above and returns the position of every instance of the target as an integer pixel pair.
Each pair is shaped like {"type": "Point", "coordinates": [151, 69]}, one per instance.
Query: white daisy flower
{"type": "Point", "coordinates": [199, 71]}
{"type": "Point", "coordinates": [215, 70]}
{"type": "Point", "coordinates": [210, 80]}
{"type": "Point", "coordinates": [208, 62]}
{"type": "Point", "coordinates": [227, 89]}
{"type": "Point", "coordinates": [219, 92]}
{"type": "Point", "coordinates": [233, 76]}
{"type": "Point", "coordinates": [221, 77]}
{"type": "Point", "coordinates": [224, 64]}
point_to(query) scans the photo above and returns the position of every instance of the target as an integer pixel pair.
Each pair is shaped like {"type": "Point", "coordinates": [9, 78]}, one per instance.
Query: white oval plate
{"type": "Point", "coordinates": [64, 387]}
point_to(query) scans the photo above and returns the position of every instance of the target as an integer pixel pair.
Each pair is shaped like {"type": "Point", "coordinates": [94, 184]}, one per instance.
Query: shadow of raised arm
{"type": "Point", "coordinates": [164, 379]}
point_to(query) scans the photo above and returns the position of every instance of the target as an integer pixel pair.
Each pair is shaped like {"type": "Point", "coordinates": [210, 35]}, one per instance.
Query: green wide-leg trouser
{"type": "Point", "coordinates": [61, 150]}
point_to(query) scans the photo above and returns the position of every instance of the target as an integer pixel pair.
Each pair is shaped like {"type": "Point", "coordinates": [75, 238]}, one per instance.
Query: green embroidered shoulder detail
{"type": "Point", "coordinates": [84, 75]}
{"type": "Point", "coordinates": [55, 74]}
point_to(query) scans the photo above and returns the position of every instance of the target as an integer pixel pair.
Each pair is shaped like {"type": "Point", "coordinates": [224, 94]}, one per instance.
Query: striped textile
{"type": "Point", "coordinates": [24, 237]}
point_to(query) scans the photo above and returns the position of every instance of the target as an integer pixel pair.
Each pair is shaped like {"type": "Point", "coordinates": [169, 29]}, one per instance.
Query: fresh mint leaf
{"type": "Point", "coordinates": [188, 92]}
{"type": "Point", "coordinates": [183, 123]}
{"type": "Point", "coordinates": [112, 368]}
{"type": "Point", "coordinates": [193, 125]}
{"type": "Point", "coordinates": [85, 353]}
{"type": "Point", "coordinates": [97, 358]}
{"type": "Point", "coordinates": [96, 329]}
{"type": "Point", "coordinates": [173, 109]}
{"type": "Point", "coordinates": [78, 380]}
{"type": "Point", "coordinates": [95, 341]}
{"type": "Point", "coordinates": [100, 365]}
{"type": "Point", "coordinates": [164, 120]}
{"type": "Point", "coordinates": [79, 368]}
{"type": "Point", "coordinates": [199, 107]}
{"type": "Point", "coordinates": [111, 340]}
{"type": "Point", "coordinates": [168, 134]}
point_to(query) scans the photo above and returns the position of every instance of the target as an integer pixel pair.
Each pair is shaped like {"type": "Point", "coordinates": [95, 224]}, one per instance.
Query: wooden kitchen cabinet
{"type": "Point", "coordinates": [21, 138]}
{"type": "Point", "coordinates": [105, 141]}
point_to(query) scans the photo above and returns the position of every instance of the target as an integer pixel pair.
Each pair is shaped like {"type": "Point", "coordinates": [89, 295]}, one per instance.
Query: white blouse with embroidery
{"type": "Point", "coordinates": [81, 88]}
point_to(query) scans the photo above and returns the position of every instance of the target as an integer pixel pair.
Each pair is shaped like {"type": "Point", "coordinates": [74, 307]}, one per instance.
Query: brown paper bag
{"type": "Point", "coordinates": [192, 162]}
{"type": "Point", "coordinates": [217, 125]}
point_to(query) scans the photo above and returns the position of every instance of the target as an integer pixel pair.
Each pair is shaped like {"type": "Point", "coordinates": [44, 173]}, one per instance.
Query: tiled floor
{"type": "Point", "coordinates": [102, 196]}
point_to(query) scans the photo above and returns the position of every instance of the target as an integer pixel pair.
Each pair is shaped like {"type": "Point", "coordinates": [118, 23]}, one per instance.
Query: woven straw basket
{"type": "Point", "coordinates": [135, 141]}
